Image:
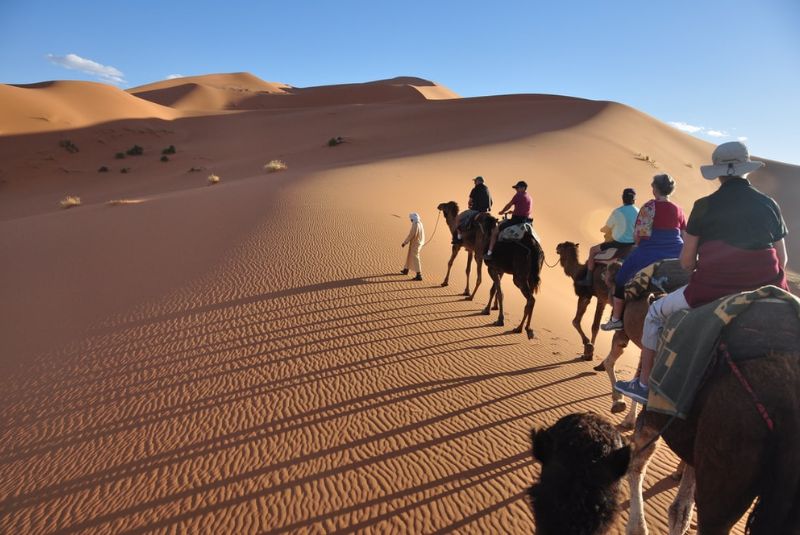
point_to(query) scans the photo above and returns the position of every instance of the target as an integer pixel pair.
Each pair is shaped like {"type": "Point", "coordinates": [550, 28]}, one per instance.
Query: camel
{"type": "Point", "coordinates": [732, 455]}
{"type": "Point", "coordinates": [475, 241]}
{"type": "Point", "coordinates": [568, 258]}
{"type": "Point", "coordinates": [583, 458]}
{"type": "Point", "coordinates": [523, 259]}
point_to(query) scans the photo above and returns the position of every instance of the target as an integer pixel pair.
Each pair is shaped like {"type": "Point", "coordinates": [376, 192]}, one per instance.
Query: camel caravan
{"type": "Point", "coordinates": [706, 301]}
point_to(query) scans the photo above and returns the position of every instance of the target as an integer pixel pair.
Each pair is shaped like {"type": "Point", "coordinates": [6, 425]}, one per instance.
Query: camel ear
{"type": "Point", "coordinates": [542, 445]}
{"type": "Point", "coordinates": [614, 466]}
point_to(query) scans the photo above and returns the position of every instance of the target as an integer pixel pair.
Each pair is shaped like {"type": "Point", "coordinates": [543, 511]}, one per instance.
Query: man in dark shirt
{"type": "Point", "coordinates": [479, 198]}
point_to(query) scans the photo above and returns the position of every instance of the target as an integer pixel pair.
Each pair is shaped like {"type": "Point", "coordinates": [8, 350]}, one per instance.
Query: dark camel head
{"type": "Point", "coordinates": [448, 208]}
{"type": "Point", "coordinates": [567, 251]}
{"type": "Point", "coordinates": [582, 457]}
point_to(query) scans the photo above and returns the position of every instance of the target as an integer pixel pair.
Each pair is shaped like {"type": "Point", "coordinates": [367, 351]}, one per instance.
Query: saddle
{"type": "Point", "coordinates": [612, 253]}
{"type": "Point", "coordinates": [465, 219]}
{"type": "Point", "coordinates": [752, 324]}
{"type": "Point", "coordinates": [517, 232]}
{"type": "Point", "coordinates": [659, 277]}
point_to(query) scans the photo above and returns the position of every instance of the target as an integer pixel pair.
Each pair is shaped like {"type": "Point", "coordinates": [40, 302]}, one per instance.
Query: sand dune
{"type": "Point", "coordinates": [243, 91]}
{"type": "Point", "coordinates": [67, 105]}
{"type": "Point", "coordinates": [246, 358]}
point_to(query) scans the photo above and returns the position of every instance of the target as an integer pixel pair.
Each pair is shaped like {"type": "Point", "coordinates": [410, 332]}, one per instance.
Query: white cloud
{"type": "Point", "coordinates": [742, 138]}
{"type": "Point", "coordinates": [716, 133]}
{"type": "Point", "coordinates": [106, 73]}
{"type": "Point", "coordinates": [173, 76]}
{"type": "Point", "coordinates": [680, 125]}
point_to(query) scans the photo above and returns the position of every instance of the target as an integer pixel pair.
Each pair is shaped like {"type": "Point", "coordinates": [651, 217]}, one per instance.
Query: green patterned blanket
{"type": "Point", "coordinates": [688, 343]}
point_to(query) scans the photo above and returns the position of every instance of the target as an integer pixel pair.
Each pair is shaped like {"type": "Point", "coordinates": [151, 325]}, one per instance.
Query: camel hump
{"type": "Point", "coordinates": [766, 326]}
{"type": "Point", "coordinates": [465, 217]}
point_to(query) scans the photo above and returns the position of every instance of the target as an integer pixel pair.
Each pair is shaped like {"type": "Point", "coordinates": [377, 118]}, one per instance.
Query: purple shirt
{"type": "Point", "coordinates": [522, 204]}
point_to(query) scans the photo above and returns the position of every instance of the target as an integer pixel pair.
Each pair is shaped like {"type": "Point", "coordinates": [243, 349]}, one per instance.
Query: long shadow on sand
{"type": "Point", "coordinates": [157, 386]}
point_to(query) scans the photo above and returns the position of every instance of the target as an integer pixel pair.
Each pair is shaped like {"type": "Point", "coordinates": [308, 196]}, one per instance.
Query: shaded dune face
{"type": "Point", "coordinates": [247, 357]}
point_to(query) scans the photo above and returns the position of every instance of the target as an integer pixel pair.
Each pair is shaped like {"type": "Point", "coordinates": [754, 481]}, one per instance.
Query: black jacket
{"type": "Point", "coordinates": [481, 198]}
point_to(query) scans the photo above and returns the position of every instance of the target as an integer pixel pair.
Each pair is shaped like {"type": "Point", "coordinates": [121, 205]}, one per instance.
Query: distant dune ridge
{"type": "Point", "coordinates": [247, 357]}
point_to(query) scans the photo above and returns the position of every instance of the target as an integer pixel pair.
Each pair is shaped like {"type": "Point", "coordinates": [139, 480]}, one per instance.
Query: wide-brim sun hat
{"type": "Point", "coordinates": [520, 184]}
{"type": "Point", "coordinates": [730, 159]}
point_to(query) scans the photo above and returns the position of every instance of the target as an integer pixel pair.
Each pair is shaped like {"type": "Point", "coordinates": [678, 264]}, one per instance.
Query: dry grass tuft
{"type": "Point", "coordinates": [213, 179]}
{"type": "Point", "coordinates": [645, 158]}
{"type": "Point", "coordinates": [275, 166]}
{"type": "Point", "coordinates": [122, 202]}
{"type": "Point", "coordinates": [69, 201]}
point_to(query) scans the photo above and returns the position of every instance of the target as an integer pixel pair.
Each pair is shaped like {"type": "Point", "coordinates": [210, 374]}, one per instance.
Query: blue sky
{"type": "Point", "coordinates": [722, 69]}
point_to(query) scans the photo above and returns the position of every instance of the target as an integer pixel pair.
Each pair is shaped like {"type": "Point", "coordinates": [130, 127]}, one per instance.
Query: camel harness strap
{"type": "Point", "coordinates": [762, 410]}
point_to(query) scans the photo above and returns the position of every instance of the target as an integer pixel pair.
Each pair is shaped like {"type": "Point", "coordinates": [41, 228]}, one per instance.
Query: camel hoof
{"type": "Point", "coordinates": [444, 284]}
{"type": "Point", "coordinates": [468, 298]}
{"type": "Point", "coordinates": [601, 368]}
{"type": "Point", "coordinates": [499, 323]}
{"type": "Point", "coordinates": [677, 474]}
{"type": "Point", "coordinates": [485, 312]}
{"type": "Point", "coordinates": [618, 406]}
{"type": "Point", "coordinates": [588, 351]}
{"type": "Point", "coordinates": [517, 330]}
{"type": "Point", "coordinates": [466, 292]}
{"type": "Point", "coordinates": [530, 334]}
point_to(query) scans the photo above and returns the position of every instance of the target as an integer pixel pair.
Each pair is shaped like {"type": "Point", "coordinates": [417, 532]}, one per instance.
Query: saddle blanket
{"type": "Point", "coordinates": [663, 276]}
{"type": "Point", "coordinates": [516, 233]}
{"type": "Point", "coordinates": [688, 344]}
{"type": "Point", "coordinates": [465, 219]}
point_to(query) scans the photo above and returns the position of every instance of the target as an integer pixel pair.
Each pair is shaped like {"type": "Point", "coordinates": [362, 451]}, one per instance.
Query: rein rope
{"type": "Point", "coordinates": [545, 261]}
{"type": "Point", "coordinates": [436, 226]}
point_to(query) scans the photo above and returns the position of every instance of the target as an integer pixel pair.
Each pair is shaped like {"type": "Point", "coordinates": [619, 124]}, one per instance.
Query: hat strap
{"type": "Point", "coordinates": [730, 168]}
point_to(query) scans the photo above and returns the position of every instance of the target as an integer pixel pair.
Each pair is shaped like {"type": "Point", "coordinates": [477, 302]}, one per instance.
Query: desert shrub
{"type": "Point", "coordinates": [213, 179]}
{"type": "Point", "coordinates": [645, 158]}
{"type": "Point", "coordinates": [125, 170]}
{"type": "Point", "coordinates": [169, 150]}
{"type": "Point", "coordinates": [275, 166]}
{"type": "Point", "coordinates": [165, 158]}
{"type": "Point", "coordinates": [68, 145]}
{"type": "Point", "coordinates": [136, 150]}
{"type": "Point", "coordinates": [119, 155]}
{"type": "Point", "coordinates": [70, 201]}
{"type": "Point", "coordinates": [195, 169]}
{"type": "Point", "coordinates": [338, 140]}
{"type": "Point", "coordinates": [103, 169]}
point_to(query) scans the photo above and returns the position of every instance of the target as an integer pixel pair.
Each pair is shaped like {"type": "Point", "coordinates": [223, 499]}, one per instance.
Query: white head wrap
{"type": "Point", "coordinates": [414, 217]}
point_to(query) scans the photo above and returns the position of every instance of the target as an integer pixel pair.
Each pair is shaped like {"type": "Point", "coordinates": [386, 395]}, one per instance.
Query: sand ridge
{"type": "Point", "coordinates": [247, 358]}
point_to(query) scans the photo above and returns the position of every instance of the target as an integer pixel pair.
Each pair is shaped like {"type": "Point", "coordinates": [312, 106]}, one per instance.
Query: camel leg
{"type": "Point", "coordinates": [499, 296]}
{"type": "Point", "coordinates": [630, 418]}
{"type": "Point", "coordinates": [636, 521]}
{"type": "Point", "coordinates": [680, 512]}
{"type": "Point", "coordinates": [478, 266]}
{"type": "Point", "coordinates": [492, 291]}
{"type": "Point", "coordinates": [469, 269]}
{"type": "Point", "coordinates": [529, 312]}
{"type": "Point", "coordinates": [618, 345]}
{"type": "Point", "coordinates": [598, 315]}
{"type": "Point", "coordinates": [583, 303]}
{"type": "Point", "coordinates": [456, 248]}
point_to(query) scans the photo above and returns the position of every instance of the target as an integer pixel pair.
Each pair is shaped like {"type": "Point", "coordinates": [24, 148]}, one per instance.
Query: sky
{"type": "Point", "coordinates": [720, 70]}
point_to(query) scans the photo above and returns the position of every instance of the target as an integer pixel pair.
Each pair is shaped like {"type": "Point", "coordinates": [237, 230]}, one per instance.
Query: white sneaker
{"type": "Point", "coordinates": [612, 325]}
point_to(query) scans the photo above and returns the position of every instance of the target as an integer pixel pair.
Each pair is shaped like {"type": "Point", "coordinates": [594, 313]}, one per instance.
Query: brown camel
{"type": "Point", "coordinates": [523, 259]}
{"type": "Point", "coordinates": [568, 258]}
{"type": "Point", "coordinates": [583, 458]}
{"type": "Point", "coordinates": [732, 455]}
{"type": "Point", "coordinates": [475, 241]}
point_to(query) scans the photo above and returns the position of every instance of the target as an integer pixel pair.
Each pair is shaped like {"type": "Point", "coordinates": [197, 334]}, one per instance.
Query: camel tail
{"type": "Point", "coordinates": [778, 507]}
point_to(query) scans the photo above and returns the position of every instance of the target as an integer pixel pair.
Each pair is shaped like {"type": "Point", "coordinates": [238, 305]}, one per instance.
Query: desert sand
{"type": "Point", "coordinates": [245, 357]}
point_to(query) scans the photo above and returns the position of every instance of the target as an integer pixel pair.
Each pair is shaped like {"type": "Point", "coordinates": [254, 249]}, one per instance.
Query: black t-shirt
{"type": "Point", "coordinates": [739, 215]}
{"type": "Point", "coordinates": [481, 200]}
